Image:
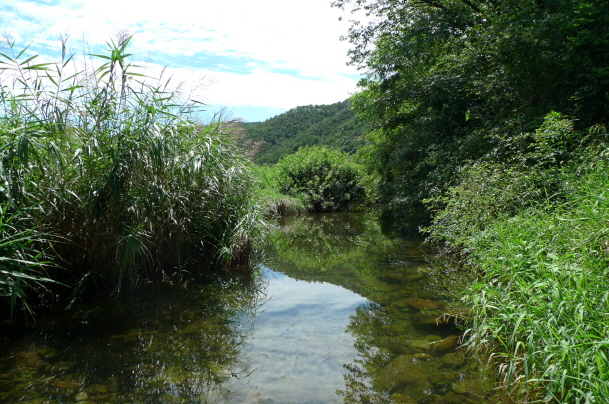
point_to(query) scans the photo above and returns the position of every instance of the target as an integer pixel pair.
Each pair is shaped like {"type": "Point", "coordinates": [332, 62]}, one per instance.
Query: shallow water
{"type": "Point", "coordinates": [339, 310]}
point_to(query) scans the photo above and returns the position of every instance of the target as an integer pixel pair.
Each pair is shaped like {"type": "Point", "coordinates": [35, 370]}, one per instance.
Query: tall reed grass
{"type": "Point", "coordinates": [116, 172]}
{"type": "Point", "coordinates": [541, 305]}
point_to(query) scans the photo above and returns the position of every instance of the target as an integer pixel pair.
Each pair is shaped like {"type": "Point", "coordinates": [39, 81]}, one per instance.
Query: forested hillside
{"type": "Point", "coordinates": [336, 126]}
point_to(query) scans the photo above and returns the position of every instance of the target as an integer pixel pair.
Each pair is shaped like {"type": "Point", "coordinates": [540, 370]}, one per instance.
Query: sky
{"type": "Point", "coordinates": [258, 58]}
{"type": "Point", "coordinates": [300, 340]}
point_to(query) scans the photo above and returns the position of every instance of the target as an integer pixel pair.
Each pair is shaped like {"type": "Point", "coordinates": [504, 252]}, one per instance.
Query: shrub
{"type": "Point", "coordinates": [520, 173]}
{"type": "Point", "coordinates": [329, 180]}
{"type": "Point", "coordinates": [271, 200]}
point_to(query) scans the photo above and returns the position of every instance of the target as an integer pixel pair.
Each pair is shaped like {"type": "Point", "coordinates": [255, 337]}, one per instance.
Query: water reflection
{"type": "Point", "coordinates": [405, 335]}
{"type": "Point", "coordinates": [339, 310]}
{"type": "Point", "coordinates": [299, 344]}
{"type": "Point", "coordinates": [171, 346]}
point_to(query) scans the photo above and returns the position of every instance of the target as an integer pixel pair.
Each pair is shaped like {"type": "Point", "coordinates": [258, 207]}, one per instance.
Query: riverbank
{"type": "Point", "coordinates": [541, 301]}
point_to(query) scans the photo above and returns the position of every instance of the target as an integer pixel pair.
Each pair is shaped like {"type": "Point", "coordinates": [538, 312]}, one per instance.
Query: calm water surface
{"type": "Point", "coordinates": [339, 310]}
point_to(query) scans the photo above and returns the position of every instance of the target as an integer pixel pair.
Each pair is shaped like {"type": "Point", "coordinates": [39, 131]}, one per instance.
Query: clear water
{"type": "Point", "coordinates": [338, 310]}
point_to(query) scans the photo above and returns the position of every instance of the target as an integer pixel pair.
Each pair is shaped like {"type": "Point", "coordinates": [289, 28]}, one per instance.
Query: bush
{"type": "Point", "coordinates": [485, 193]}
{"type": "Point", "coordinates": [272, 202]}
{"type": "Point", "coordinates": [328, 179]}
{"type": "Point", "coordinates": [520, 173]}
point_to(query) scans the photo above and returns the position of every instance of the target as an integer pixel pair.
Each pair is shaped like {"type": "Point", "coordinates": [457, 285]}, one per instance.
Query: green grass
{"type": "Point", "coordinates": [114, 178]}
{"type": "Point", "coordinates": [273, 202]}
{"type": "Point", "coordinates": [541, 305]}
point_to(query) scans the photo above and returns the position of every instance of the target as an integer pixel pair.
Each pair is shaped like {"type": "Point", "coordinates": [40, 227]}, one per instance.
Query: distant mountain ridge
{"type": "Point", "coordinates": [335, 126]}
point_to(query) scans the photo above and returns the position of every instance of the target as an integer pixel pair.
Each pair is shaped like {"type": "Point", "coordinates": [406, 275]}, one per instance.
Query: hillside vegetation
{"type": "Point", "coordinates": [336, 126]}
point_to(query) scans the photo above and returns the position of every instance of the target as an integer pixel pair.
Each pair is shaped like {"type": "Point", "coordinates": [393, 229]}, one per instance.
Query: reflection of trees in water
{"type": "Point", "coordinates": [195, 353]}
{"type": "Point", "coordinates": [323, 241]}
{"type": "Point", "coordinates": [396, 363]}
{"type": "Point", "coordinates": [348, 250]}
{"type": "Point", "coordinates": [386, 370]}
{"type": "Point", "coordinates": [175, 346]}
{"type": "Point", "coordinates": [364, 325]}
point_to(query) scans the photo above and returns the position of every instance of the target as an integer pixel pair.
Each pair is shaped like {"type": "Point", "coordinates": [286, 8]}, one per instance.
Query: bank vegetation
{"type": "Point", "coordinates": [489, 135]}
{"type": "Point", "coordinates": [109, 182]}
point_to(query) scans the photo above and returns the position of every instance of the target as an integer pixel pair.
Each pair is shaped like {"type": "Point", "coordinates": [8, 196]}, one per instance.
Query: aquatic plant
{"type": "Point", "coordinates": [22, 264]}
{"type": "Point", "coordinates": [117, 166]}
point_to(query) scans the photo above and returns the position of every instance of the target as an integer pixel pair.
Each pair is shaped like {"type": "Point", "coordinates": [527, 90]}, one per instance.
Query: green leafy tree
{"type": "Point", "coordinates": [444, 79]}
{"type": "Point", "coordinates": [336, 126]}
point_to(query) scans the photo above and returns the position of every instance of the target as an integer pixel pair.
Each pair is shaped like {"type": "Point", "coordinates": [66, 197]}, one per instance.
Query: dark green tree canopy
{"type": "Point", "coordinates": [444, 79]}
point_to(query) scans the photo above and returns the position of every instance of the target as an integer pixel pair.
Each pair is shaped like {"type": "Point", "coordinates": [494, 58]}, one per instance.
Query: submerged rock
{"type": "Point", "coordinates": [422, 356]}
{"type": "Point", "coordinates": [450, 399]}
{"type": "Point", "coordinates": [428, 318]}
{"type": "Point", "coordinates": [60, 367]}
{"type": "Point", "coordinates": [97, 392]}
{"type": "Point", "coordinates": [82, 396]}
{"type": "Point", "coordinates": [446, 344]}
{"type": "Point", "coordinates": [48, 353]}
{"type": "Point", "coordinates": [30, 360]}
{"type": "Point", "coordinates": [40, 400]}
{"type": "Point", "coordinates": [405, 370]}
{"type": "Point", "coordinates": [444, 378]}
{"type": "Point", "coordinates": [397, 346]}
{"type": "Point", "coordinates": [472, 388]}
{"type": "Point", "coordinates": [398, 327]}
{"type": "Point", "coordinates": [454, 359]}
{"type": "Point", "coordinates": [401, 399]}
{"type": "Point", "coordinates": [68, 384]}
{"type": "Point", "coordinates": [97, 389]}
{"type": "Point", "coordinates": [423, 304]}
{"type": "Point", "coordinates": [420, 344]}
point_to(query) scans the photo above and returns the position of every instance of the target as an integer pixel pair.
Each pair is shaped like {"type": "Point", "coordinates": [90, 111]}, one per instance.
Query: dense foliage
{"type": "Point", "coordinates": [488, 125]}
{"type": "Point", "coordinates": [273, 202]}
{"type": "Point", "coordinates": [328, 179]}
{"type": "Point", "coordinates": [336, 126]}
{"type": "Point", "coordinates": [540, 304]}
{"type": "Point", "coordinates": [444, 80]}
{"type": "Point", "coordinates": [519, 173]}
{"type": "Point", "coordinates": [106, 177]}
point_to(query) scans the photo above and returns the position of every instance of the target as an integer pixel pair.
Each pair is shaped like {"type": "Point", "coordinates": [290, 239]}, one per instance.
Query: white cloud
{"type": "Point", "coordinates": [301, 37]}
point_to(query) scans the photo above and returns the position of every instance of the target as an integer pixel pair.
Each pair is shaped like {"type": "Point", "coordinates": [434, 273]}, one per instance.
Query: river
{"type": "Point", "coordinates": [338, 309]}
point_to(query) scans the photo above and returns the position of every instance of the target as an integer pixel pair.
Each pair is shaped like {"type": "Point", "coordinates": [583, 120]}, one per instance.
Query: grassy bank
{"type": "Point", "coordinates": [541, 302]}
{"type": "Point", "coordinates": [109, 181]}
{"type": "Point", "coordinates": [530, 219]}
